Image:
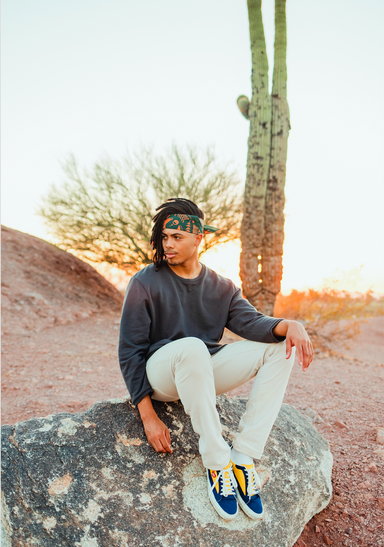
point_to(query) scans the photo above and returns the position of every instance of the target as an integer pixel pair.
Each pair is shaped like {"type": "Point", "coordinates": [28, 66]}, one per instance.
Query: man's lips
{"type": "Point", "coordinates": [170, 255]}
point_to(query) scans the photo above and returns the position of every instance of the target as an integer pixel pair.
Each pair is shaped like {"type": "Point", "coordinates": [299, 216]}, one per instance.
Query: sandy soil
{"type": "Point", "coordinates": [68, 367]}
{"type": "Point", "coordinates": [50, 366]}
{"type": "Point", "coordinates": [43, 286]}
{"type": "Point", "coordinates": [344, 396]}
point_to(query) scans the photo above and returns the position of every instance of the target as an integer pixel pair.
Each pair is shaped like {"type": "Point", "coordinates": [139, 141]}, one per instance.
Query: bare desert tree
{"type": "Point", "coordinates": [262, 228]}
{"type": "Point", "coordinates": [105, 215]}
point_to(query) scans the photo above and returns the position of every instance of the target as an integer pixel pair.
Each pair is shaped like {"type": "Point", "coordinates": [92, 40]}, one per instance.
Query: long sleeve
{"type": "Point", "coordinates": [134, 340]}
{"type": "Point", "coordinates": [245, 321]}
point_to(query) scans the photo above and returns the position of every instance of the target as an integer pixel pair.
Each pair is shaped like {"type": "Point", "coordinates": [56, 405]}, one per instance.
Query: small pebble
{"type": "Point", "coordinates": [337, 497]}
{"type": "Point", "coordinates": [372, 467]}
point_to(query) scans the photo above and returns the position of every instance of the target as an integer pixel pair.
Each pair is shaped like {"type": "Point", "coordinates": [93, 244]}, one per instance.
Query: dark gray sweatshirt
{"type": "Point", "coordinates": [160, 307]}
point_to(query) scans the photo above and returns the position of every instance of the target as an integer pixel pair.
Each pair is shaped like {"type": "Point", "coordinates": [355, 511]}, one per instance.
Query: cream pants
{"type": "Point", "coordinates": [185, 370]}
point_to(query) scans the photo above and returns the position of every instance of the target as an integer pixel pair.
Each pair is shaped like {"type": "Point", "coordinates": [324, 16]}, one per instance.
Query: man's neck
{"type": "Point", "coordinates": [188, 269]}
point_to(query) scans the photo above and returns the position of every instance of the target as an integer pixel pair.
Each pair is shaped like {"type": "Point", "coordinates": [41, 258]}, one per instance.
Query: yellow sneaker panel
{"type": "Point", "coordinates": [240, 477]}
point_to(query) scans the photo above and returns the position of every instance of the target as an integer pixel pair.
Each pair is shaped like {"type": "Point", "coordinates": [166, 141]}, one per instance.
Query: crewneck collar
{"type": "Point", "coordinates": [193, 281]}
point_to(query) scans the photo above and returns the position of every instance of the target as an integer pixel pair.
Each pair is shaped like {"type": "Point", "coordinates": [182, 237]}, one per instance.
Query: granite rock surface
{"type": "Point", "coordinates": [91, 480]}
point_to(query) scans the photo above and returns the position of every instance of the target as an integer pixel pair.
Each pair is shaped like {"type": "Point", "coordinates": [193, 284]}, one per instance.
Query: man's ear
{"type": "Point", "coordinates": [198, 239]}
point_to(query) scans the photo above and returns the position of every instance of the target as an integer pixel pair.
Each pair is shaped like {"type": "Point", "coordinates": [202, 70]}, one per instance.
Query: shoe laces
{"type": "Point", "coordinates": [253, 482]}
{"type": "Point", "coordinates": [227, 482]}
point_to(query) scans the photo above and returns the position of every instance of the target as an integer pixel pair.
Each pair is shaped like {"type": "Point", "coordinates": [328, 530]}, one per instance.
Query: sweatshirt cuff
{"type": "Point", "coordinates": [275, 337]}
{"type": "Point", "coordinates": [141, 396]}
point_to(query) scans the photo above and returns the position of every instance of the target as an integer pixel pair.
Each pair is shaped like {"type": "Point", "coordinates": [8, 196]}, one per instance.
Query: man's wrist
{"type": "Point", "coordinates": [281, 328]}
{"type": "Point", "coordinates": [146, 409]}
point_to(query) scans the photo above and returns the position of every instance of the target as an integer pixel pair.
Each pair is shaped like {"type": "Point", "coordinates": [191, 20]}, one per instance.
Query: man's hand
{"type": "Point", "coordinates": [156, 431]}
{"type": "Point", "coordinates": [296, 335]}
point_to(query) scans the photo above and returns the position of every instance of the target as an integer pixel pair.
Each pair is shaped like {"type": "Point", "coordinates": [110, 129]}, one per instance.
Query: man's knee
{"type": "Point", "coordinates": [194, 354]}
{"type": "Point", "coordinates": [279, 351]}
{"type": "Point", "coordinates": [190, 345]}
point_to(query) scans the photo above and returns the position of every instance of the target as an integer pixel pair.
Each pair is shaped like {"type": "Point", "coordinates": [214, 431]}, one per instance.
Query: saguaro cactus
{"type": "Point", "coordinates": [262, 229]}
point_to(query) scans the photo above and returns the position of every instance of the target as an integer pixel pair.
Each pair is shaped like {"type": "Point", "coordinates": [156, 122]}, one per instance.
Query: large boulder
{"type": "Point", "coordinates": [91, 480]}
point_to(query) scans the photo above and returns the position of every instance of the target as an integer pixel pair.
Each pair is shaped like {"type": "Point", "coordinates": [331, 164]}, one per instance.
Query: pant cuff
{"type": "Point", "coordinates": [217, 463]}
{"type": "Point", "coordinates": [252, 453]}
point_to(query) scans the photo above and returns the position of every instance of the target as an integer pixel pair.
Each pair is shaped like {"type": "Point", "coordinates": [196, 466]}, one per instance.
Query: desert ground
{"type": "Point", "coordinates": [60, 327]}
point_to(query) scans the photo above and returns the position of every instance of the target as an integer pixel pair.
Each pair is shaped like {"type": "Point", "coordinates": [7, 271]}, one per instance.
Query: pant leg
{"type": "Point", "coordinates": [183, 369]}
{"type": "Point", "coordinates": [237, 363]}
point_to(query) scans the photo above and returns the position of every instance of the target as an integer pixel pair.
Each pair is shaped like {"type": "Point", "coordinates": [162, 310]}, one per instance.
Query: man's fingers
{"type": "Point", "coordinates": [161, 444]}
{"type": "Point", "coordinates": [310, 353]}
{"type": "Point", "coordinates": [156, 443]}
{"type": "Point", "coordinates": [168, 437]}
{"type": "Point", "coordinates": [165, 442]}
{"type": "Point", "coordinates": [299, 352]}
{"type": "Point", "coordinates": [307, 355]}
{"type": "Point", "coordinates": [288, 345]}
{"type": "Point", "coordinates": [158, 446]}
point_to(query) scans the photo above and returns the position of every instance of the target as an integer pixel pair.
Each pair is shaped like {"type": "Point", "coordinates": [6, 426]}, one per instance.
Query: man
{"type": "Point", "coordinates": [173, 318]}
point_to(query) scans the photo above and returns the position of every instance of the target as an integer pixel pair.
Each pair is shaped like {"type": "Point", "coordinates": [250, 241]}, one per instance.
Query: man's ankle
{"type": "Point", "coordinates": [239, 458]}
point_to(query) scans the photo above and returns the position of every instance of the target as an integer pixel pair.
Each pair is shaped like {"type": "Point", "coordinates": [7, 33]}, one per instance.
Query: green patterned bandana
{"type": "Point", "coordinates": [187, 223]}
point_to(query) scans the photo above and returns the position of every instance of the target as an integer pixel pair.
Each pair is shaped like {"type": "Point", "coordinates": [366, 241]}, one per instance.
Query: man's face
{"type": "Point", "coordinates": [179, 246]}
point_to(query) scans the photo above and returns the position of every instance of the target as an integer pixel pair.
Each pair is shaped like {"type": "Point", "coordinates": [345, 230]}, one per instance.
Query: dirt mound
{"type": "Point", "coordinates": [44, 286]}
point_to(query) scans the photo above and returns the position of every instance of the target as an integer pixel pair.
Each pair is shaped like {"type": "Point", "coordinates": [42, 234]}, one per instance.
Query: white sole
{"type": "Point", "coordinates": [247, 510]}
{"type": "Point", "coordinates": [217, 507]}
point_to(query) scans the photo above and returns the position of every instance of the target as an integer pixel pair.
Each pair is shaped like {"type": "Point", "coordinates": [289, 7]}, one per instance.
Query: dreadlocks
{"type": "Point", "coordinates": [171, 207]}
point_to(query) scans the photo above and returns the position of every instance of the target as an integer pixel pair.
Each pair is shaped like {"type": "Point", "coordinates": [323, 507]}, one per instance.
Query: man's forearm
{"type": "Point", "coordinates": [281, 327]}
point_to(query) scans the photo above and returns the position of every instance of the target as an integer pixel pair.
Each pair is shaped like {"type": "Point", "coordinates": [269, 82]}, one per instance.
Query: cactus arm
{"type": "Point", "coordinates": [243, 104]}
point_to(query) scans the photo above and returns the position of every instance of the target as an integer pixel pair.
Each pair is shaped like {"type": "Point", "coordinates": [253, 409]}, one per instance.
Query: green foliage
{"type": "Point", "coordinates": [106, 215]}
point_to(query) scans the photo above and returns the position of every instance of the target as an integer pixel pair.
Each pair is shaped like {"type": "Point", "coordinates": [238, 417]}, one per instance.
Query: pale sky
{"type": "Point", "coordinates": [99, 77]}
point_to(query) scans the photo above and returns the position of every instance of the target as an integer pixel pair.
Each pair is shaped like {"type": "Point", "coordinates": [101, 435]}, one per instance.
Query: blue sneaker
{"type": "Point", "coordinates": [222, 493]}
{"type": "Point", "coordinates": [248, 487]}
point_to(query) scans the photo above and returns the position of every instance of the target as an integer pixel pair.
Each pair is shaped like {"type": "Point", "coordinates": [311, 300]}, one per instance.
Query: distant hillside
{"type": "Point", "coordinates": [44, 286]}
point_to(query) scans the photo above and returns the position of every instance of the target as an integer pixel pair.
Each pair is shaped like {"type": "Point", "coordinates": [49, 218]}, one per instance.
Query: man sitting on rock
{"type": "Point", "coordinates": [173, 317]}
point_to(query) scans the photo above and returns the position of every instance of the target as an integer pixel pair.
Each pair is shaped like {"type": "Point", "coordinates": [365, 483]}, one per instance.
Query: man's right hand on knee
{"type": "Point", "coordinates": [156, 431]}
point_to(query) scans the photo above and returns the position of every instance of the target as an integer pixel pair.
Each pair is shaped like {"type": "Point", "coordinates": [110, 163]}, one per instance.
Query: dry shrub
{"type": "Point", "coordinates": [329, 315]}
{"type": "Point", "coordinates": [104, 215]}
